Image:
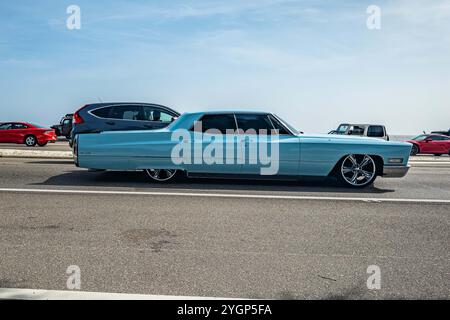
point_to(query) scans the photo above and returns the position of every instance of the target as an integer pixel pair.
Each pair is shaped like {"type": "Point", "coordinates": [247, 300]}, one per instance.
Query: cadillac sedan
{"type": "Point", "coordinates": [241, 145]}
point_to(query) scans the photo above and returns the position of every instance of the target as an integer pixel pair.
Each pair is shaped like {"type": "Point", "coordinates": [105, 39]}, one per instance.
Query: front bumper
{"type": "Point", "coordinates": [395, 171]}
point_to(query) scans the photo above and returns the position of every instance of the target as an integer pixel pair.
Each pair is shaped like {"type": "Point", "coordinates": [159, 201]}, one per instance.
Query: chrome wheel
{"type": "Point", "coordinates": [358, 170]}
{"type": "Point", "coordinates": [161, 175]}
{"type": "Point", "coordinates": [30, 141]}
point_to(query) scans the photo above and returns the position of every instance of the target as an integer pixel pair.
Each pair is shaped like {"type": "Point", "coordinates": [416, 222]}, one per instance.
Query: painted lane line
{"type": "Point", "coordinates": [224, 195]}
{"type": "Point", "coordinates": [35, 294]}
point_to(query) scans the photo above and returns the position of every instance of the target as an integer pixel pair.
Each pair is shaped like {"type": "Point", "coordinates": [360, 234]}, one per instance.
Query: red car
{"type": "Point", "coordinates": [436, 144]}
{"type": "Point", "coordinates": [27, 133]}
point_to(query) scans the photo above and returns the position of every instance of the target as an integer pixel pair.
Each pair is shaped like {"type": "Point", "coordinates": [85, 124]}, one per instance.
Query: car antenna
{"type": "Point", "coordinates": [100, 99]}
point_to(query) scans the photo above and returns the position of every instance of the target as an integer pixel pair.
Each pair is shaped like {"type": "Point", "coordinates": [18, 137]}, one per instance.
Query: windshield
{"type": "Point", "coordinates": [342, 129]}
{"type": "Point", "coordinates": [420, 137]}
{"type": "Point", "coordinates": [287, 125]}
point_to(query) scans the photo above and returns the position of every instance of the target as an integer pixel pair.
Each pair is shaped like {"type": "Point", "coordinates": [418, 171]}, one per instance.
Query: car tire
{"type": "Point", "coordinates": [30, 141]}
{"type": "Point", "coordinates": [162, 175]}
{"type": "Point", "coordinates": [42, 144]}
{"type": "Point", "coordinates": [357, 170]}
{"type": "Point", "coordinates": [414, 150]}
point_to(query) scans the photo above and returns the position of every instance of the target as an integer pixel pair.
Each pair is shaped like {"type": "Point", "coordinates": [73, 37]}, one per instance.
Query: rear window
{"type": "Point", "coordinates": [37, 126]}
{"type": "Point", "coordinates": [375, 131]}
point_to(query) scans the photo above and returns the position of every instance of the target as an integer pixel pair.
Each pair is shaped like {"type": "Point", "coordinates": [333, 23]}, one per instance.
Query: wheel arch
{"type": "Point", "coordinates": [29, 135]}
{"type": "Point", "coordinates": [416, 144]}
{"type": "Point", "coordinates": [379, 163]}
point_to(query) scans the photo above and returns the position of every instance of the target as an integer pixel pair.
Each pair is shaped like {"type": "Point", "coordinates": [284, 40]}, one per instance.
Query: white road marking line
{"type": "Point", "coordinates": [223, 195]}
{"type": "Point", "coordinates": [35, 294]}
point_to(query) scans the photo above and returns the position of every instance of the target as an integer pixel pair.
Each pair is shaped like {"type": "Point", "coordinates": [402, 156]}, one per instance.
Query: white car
{"type": "Point", "coordinates": [367, 130]}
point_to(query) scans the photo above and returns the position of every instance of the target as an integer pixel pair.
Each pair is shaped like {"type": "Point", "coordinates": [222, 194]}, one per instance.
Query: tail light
{"type": "Point", "coordinates": [49, 131]}
{"type": "Point", "coordinates": [77, 119]}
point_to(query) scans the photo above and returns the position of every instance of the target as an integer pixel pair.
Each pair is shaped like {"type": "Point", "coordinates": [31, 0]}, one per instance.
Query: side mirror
{"type": "Point", "coordinates": [428, 140]}
{"type": "Point", "coordinates": [350, 132]}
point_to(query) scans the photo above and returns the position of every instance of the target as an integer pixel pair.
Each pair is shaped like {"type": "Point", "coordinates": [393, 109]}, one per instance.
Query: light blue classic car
{"type": "Point", "coordinates": [241, 145]}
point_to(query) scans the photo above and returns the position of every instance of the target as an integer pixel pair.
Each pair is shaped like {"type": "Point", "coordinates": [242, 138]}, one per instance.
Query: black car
{"type": "Point", "coordinates": [445, 133]}
{"type": "Point", "coordinates": [119, 116]}
{"type": "Point", "coordinates": [64, 128]}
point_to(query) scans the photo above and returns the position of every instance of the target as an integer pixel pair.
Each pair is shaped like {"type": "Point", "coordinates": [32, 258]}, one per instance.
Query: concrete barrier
{"type": "Point", "coordinates": [12, 153]}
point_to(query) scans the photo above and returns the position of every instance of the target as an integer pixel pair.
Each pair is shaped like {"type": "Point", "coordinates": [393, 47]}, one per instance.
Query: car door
{"type": "Point", "coordinates": [441, 144]}
{"type": "Point", "coordinates": [215, 145]}
{"type": "Point", "coordinates": [122, 117]}
{"type": "Point", "coordinates": [432, 144]}
{"type": "Point", "coordinates": [5, 132]}
{"type": "Point", "coordinates": [269, 149]}
{"type": "Point", "coordinates": [446, 145]}
{"type": "Point", "coordinates": [18, 132]}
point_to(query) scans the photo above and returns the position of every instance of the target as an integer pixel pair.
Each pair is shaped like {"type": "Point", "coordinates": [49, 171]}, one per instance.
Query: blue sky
{"type": "Point", "coordinates": [314, 63]}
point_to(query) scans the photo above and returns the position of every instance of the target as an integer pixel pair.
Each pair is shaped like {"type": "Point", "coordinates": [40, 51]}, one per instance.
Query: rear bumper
{"type": "Point", "coordinates": [395, 171]}
{"type": "Point", "coordinates": [45, 138]}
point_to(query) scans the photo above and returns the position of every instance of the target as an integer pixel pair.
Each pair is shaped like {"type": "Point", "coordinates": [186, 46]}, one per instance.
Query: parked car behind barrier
{"type": "Point", "coordinates": [27, 133]}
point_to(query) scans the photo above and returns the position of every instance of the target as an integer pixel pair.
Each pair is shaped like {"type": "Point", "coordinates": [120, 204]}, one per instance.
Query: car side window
{"type": "Point", "coordinates": [437, 138]}
{"type": "Point", "coordinates": [375, 131]}
{"type": "Point", "coordinates": [221, 122]}
{"type": "Point", "coordinates": [356, 130]}
{"type": "Point", "coordinates": [102, 112]}
{"type": "Point", "coordinates": [255, 122]}
{"type": "Point", "coordinates": [133, 113]}
{"type": "Point", "coordinates": [5, 126]}
{"type": "Point", "coordinates": [157, 114]}
{"type": "Point", "coordinates": [18, 126]}
{"type": "Point", "coordinates": [127, 113]}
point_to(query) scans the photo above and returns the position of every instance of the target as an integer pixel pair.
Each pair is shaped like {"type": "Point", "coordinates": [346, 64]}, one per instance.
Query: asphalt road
{"type": "Point", "coordinates": [184, 241]}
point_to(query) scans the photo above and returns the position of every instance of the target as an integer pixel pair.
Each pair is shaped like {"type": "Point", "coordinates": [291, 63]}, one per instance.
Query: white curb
{"type": "Point", "coordinates": [34, 294]}
{"type": "Point", "coordinates": [12, 153]}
